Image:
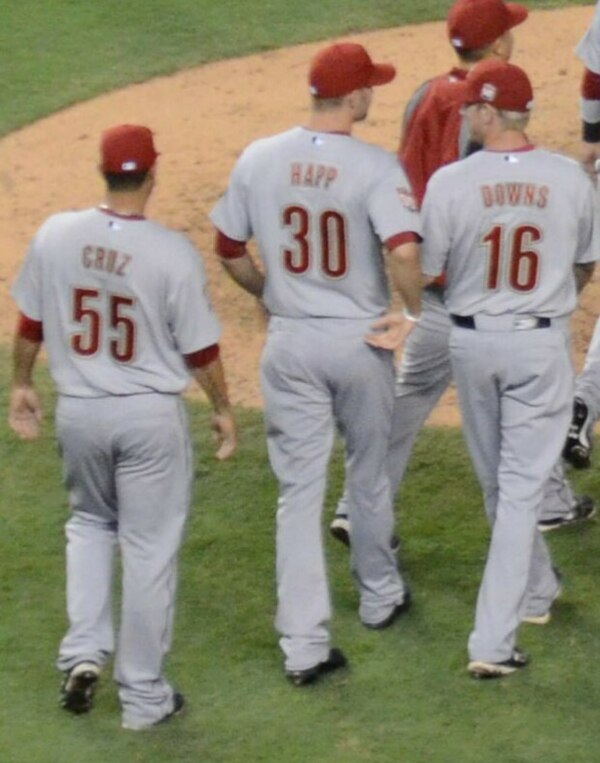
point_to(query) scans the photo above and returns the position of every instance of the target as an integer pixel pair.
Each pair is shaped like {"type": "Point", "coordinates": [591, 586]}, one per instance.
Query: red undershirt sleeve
{"type": "Point", "coordinates": [590, 86]}
{"type": "Point", "coordinates": [403, 238]}
{"type": "Point", "coordinates": [30, 329]}
{"type": "Point", "coordinates": [228, 248]}
{"type": "Point", "coordinates": [590, 92]}
{"type": "Point", "coordinates": [202, 357]}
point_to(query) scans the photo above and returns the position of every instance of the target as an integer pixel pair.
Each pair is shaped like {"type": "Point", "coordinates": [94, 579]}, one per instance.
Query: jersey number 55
{"type": "Point", "coordinates": [101, 314]}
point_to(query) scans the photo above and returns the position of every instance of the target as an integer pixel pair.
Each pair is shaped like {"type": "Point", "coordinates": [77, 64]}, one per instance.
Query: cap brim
{"type": "Point", "coordinates": [381, 74]}
{"type": "Point", "coordinates": [518, 14]}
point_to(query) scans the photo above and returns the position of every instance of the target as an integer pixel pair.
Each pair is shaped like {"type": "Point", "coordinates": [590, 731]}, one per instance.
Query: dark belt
{"type": "Point", "coordinates": [468, 322]}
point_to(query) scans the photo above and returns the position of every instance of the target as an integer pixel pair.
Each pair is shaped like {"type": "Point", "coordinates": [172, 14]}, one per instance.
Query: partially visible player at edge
{"type": "Point", "coordinates": [434, 134]}
{"type": "Point", "coordinates": [322, 205]}
{"type": "Point", "coordinates": [586, 404]}
{"type": "Point", "coordinates": [120, 303]}
{"type": "Point", "coordinates": [514, 269]}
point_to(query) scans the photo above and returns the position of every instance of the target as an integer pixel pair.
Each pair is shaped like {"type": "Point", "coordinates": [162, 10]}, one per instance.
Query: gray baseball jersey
{"type": "Point", "coordinates": [121, 299]}
{"type": "Point", "coordinates": [508, 228]}
{"type": "Point", "coordinates": [321, 222]}
{"type": "Point", "coordinates": [320, 205]}
{"type": "Point", "coordinates": [515, 230]}
{"type": "Point", "coordinates": [588, 48]}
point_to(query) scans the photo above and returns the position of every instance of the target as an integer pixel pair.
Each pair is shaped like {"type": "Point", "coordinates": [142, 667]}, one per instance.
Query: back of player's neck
{"type": "Point", "coordinates": [125, 204]}
{"type": "Point", "coordinates": [508, 140]}
{"type": "Point", "coordinates": [330, 121]}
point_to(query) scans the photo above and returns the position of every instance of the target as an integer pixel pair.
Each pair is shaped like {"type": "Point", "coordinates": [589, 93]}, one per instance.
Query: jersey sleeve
{"type": "Point", "coordinates": [27, 289]}
{"type": "Point", "coordinates": [392, 207]}
{"type": "Point", "coordinates": [588, 49]}
{"type": "Point", "coordinates": [436, 228]}
{"type": "Point", "coordinates": [588, 240]}
{"type": "Point", "coordinates": [231, 214]}
{"type": "Point", "coordinates": [192, 319]}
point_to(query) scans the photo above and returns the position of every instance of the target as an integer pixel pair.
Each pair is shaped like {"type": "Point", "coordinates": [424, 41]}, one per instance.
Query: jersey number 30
{"type": "Point", "coordinates": [87, 311]}
{"type": "Point", "coordinates": [332, 257]}
{"type": "Point", "coordinates": [513, 247]}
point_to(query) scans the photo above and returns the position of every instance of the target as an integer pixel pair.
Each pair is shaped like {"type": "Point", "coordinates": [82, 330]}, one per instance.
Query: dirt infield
{"type": "Point", "coordinates": [203, 117]}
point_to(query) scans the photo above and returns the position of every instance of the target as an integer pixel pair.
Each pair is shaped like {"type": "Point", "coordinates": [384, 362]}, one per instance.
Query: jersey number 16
{"type": "Point", "coordinates": [513, 247]}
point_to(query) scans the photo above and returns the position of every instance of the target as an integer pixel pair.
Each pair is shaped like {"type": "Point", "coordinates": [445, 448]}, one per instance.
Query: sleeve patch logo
{"type": "Point", "coordinates": [407, 198]}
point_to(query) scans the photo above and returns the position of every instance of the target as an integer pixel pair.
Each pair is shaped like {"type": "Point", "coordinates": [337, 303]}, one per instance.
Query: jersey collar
{"type": "Point", "coordinates": [523, 149]}
{"type": "Point", "coordinates": [111, 213]}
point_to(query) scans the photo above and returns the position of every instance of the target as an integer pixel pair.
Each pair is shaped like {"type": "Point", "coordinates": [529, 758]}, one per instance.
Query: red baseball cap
{"type": "Point", "coordinates": [476, 23]}
{"type": "Point", "coordinates": [502, 85]}
{"type": "Point", "coordinates": [344, 67]}
{"type": "Point", "coordinates": [127, 148]}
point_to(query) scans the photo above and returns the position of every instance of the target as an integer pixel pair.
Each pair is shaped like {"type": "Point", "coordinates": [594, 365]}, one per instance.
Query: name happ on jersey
{"type": "Point", "coordinates": [515, 194]}
{"type": "Point", "coordinates": [311, 175]}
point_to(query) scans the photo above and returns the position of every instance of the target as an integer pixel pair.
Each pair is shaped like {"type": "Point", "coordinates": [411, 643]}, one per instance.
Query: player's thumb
{"type": "Point", "coordinates": [227, 449]}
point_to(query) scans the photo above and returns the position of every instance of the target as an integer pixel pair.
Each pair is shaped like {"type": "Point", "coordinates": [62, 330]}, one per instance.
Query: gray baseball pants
{"type": "Point", "coordinates": [317, 373]}
{"type": "Point", "coordinates": [128, 469]}
{"type": "Point", "coordinates": [587, 385]}
{"type": "Point", "coordinates": [515, 390]}
{"type": "Point", "coordinates": [424, 374]}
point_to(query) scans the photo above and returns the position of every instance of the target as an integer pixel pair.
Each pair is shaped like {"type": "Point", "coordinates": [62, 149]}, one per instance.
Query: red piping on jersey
{"type": "Point", "coordinates": [112, 213]}
{"type": "Point", "coordinates": [228, 248]}
{"type": "Point", "coordinates": [203, 357]}
{"type": "Point", "coordinates": [328, 132]}
{"type": "Point", "coordinates": [408, 237]}
{"type": "Point", "coordinates": [590, 85]}
{"type": "Point", "coordinates": [528, 147]}
{"type": "Point", "coordinates": [29, 329]}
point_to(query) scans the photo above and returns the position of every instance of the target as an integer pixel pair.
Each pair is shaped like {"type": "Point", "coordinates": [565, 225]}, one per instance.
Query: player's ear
{"type": "Point", "coordinates": [151, 175]}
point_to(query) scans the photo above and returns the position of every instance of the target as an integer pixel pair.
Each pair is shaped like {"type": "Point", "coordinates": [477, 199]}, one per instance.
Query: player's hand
{"type": "Point", "coordinates": [25, 413]}
{"type": "Point", "coordinates": [390, 332]}
{"type": "Point", "coordinates": [590, 154]}
{"type": "Point", "coordinates": [223, 425]}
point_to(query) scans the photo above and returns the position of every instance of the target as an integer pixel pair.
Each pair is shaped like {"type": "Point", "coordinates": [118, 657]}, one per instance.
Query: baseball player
{"type": "Point", "coordinates": [517, 241]}
{"type": "Point", "coordinates": [586, 405]}
{"type": "Point", "coordinates": [588, 51]}
{"type": "Point", "coordinates": [120, 303]}
{"type": "Point", "coordinates": [435, 134]}
{"type": "Point", "coordinates": [321, 204]}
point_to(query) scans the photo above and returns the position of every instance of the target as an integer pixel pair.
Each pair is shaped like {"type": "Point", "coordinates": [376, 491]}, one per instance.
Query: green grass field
{"type": "Point", "coordinates": [56, 53]}
{"type": "Point", "coordinates": [407, 697]}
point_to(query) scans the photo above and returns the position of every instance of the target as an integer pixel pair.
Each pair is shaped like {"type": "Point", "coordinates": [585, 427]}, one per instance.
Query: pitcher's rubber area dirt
{"type": "Point", "coordinates": [202, 118]}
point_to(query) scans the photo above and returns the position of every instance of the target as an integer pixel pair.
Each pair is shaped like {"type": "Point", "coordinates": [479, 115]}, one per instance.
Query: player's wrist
{"type": "Point", "coordinates": [22, 385]}
{"type": "Point", "coordinates": [411, 316]}
{"type": "Point", "coordinates": [590, 132]}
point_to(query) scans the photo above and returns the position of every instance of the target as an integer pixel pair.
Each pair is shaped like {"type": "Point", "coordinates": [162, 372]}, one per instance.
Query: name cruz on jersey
{"type": "Point", "coordinates": [106, 260]}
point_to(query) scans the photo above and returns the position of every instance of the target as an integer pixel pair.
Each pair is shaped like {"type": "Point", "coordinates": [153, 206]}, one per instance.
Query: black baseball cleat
{"type": "Point", "coordinates": [178, 709]}
{"type": "Point", "coordinates": [583, 508]}
{"type": "Point", "coordinates": [398, 610]}
{"type": "Point", "coordinates": [481, 669]}
{"type": "Point", "coordinates": [578, 447]}
{"type": "Point", "coordinates": [335, 661]}
{"type": "Point", "coordinates": [340, 530]}
{"type": "Point", "coordinates": [78, 688]}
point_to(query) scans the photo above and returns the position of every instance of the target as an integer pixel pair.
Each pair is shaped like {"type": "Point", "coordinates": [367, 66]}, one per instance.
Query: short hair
{"type": "Point", "coordinates": [514, 120]}
{"type": "Point", "coordinates": [327, 104]}
{"type": "Point", "coordinates": [125, 181]}
{"type": "Point", "coordinates": [473, 55]}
